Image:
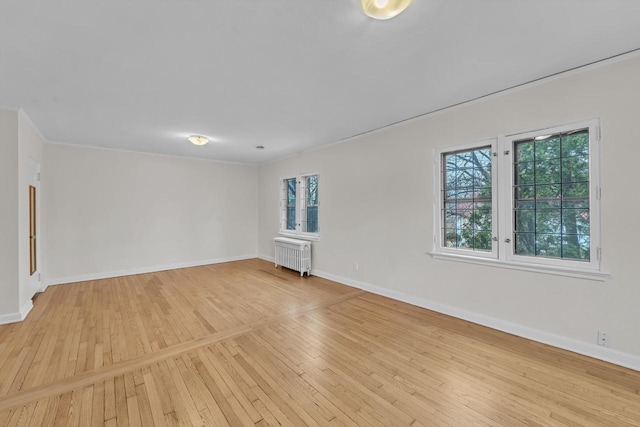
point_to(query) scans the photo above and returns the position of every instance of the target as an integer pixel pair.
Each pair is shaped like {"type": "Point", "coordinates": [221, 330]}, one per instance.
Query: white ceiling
{"type": "Point", "coordinates": [287, 74]}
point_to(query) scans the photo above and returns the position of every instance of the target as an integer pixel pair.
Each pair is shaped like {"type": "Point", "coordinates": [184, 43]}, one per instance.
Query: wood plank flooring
{"type": "Point", "coordinates": [244, 343]}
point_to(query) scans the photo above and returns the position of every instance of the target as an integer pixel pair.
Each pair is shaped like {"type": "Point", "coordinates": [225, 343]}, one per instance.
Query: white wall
{"type": "Point", "coordinates": [112, 212]}
{"type": "Point", "coordinates": [19, 142]}
{"type": "Point", "coordinates": [30, 148]}
{"type": "Point", "coordinates": [9, 305]}
{"type": "Point", "coordinates": [376, 209]}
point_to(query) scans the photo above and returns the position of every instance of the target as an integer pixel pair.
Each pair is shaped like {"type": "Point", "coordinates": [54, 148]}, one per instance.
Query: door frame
{"type": "Point", "coordinates": [35, 279]}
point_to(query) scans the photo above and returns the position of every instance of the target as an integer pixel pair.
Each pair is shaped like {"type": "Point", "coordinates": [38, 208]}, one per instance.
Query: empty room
{"type": "Point", "coordinates": [309, 213]}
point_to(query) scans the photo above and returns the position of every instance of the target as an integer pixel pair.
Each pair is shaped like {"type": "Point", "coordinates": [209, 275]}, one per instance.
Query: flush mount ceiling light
{"type": "Point", "coordinates": [383, 9]}
{"type": "Point", "coordinates": [198, 139]}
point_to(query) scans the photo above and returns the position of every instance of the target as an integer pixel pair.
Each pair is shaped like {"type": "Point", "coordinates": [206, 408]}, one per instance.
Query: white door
{"type": "Point", "coordinates": [34, 227]}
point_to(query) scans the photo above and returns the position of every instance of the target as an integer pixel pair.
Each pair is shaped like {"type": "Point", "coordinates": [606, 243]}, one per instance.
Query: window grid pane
{"type": "Point", "coordinates": [311, 205]}
{"type": "Point", "coordinates": [291, 203]}
{"type": "Point", "coordinates": [551, 196]}
{"type": "Point", "coordinates": [467, 199]}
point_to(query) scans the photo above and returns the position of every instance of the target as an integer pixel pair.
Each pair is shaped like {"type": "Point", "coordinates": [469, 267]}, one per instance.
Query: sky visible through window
{"type": "Point", "coordinates": [467, 199]}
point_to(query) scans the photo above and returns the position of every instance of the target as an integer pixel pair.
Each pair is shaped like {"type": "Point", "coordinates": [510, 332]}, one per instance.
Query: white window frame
{"type": "Point", "coordinates": [439, 185]}
{"type": "Point", "coordinates": [503, 252]}
{"type": "Point", "coordinates": [300, 207]}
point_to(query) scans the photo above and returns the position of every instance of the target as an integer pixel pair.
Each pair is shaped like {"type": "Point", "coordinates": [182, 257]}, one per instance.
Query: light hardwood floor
{"type": "Point", "coordinates": [244, 343]}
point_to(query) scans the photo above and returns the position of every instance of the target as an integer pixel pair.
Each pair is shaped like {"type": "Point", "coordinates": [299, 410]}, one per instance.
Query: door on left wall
{"type": "Point", "coordinates": [34, 229]}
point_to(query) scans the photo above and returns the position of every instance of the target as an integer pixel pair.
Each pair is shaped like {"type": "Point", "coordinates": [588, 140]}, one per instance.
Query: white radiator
{"type": "Point", "coordinates": [294, 254]}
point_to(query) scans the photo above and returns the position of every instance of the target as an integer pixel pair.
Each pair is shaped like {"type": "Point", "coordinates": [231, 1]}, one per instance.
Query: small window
{"type": "Point", "coordinates": [466, 202]}
{"type": "Point", "coordinates": [310, 220]}
{"type": "Point", "coordinates": [290, 203]}
{"type": "Point", "coordinates": [467, 199]}
{"type": "Point", "coordinates": [299, 205]}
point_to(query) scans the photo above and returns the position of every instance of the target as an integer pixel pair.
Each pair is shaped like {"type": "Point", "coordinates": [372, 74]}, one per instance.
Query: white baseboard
{"type": "Point", "coordinates": [587, 349]}
{"type": "Point", "coordinates": [267, 258]}
{"type": "Point", "coordinates": [17, 317]}
{"type": "Point", "coordinates": [10, 318]}
{"type": "Point", "coordinates": [142, 270]}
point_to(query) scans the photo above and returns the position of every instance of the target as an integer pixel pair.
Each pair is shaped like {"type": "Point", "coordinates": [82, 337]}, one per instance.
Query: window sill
{"type": "Point", "coordinates": [537, 268]}
{"type": "Point", "coordinates": [312, 237]}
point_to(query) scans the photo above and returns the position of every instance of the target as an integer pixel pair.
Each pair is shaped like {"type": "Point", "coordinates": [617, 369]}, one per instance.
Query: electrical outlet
{"type": "Point", "coordinates": [356, 267]}
{"type": "Point", "coordinates": [603, 339]}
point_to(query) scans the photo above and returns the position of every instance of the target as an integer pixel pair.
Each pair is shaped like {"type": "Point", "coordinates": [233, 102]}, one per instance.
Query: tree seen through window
{"type": "Point", "coordinates": [291, 203]}
{"type": "Point", "coordinates": [467, 199]}
{"type": "Point", "coordinates": [551, 196]}
{"type": "Point", "coordinates": [311, 203]}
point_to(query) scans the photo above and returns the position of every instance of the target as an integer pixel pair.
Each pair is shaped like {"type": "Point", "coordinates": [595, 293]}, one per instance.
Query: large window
{"type": "Point", "coordinates": [551, 196]}
{"type": "Point", "coordinates": [299, 205]}
{"type": "Point", "coordinates": [529, 200]}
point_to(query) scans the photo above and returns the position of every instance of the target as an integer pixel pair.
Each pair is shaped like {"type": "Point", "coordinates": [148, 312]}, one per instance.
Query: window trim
{"type": "Point", "coordinates": [580, 273]}
{"type": "Point", "coordinates": [503, 202]}
{"type": "Point", "coordinates": [300, 203]}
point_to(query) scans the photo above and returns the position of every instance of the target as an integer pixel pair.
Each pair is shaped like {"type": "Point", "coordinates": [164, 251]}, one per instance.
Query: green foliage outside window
{"type": "Point", "coordinates": [551, 215]}
{"type": "Point", "coordinates": [467, 199]}
{"type": "Point", "coordinates": [312, 204]}
{"type": "Point", "coordinates": [551, 196]}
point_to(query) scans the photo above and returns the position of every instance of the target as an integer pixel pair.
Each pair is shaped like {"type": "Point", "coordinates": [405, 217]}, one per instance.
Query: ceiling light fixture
{"type": "Point", "coordinates": [383, 9]}
{"type": "Point", "coordinates": [198, 139]}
